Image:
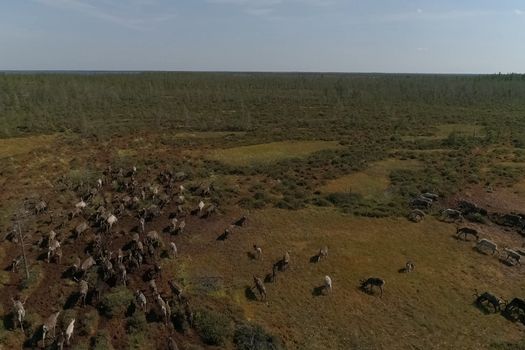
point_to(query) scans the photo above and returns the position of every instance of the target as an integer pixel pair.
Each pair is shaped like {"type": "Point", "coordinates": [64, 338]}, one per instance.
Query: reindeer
{"type": "Point", "coordinates": [285, 261]}
{"type": "Point", "coordinates": [176, 289]}
{"type": "Point", "coordinates": [258, 252]}
{"type": "Point", "coordinates": [122, 273]}
{"type": "Point", "coordinates": [174, 250]}
{"type": "Point", "coordinates": [323, 253]}
{"type": "Point", "coordinates": [141, 299]}
{"type": "Point", "coordinates": [182, 225]}
{"type": "Point", "coordinates": [164, 308]}
{"type": "Point", "coordinates": [153, 287]}
{"type": "Point", "coordinates": [451, 215]}
{"type": "Point", "coordinates": [40, 207]}
{"type": "Point", "coordinates": [368, 284]}
{"type": "Point", "coordinates": [19, 312]}
{"type": "Point", "coordinates": [172, 345]}
{"type": "Point", "coordinates": [409, 267]}
{"type": "Point", "coordinates": [516, 305]}
{"type": "Point", "coordinates": [54, 251]}
{"type": "Point", "coordinates": [142, 223]}
{"type": "Point", "coordinates": [200, 206]}
{"type": "Point", "coordinates": [465, 231]}
{"type": "Point", "coordinates": [83, 291]}
{"type": "Point", "coordinates": [260, 287]}
{"type": "Point", "coordinates": [110, 221]}
{"type": "Point", "coordinates": [69, 331]}
{"type": "Point", "coordinates": [81, 228]}
{"type": "Point", "coordinates": [488, 244]}
{"type": "Point", "coordinates": [173, 225]}
{"type": "Point", "coordinates": [512, 254]}
{"type": "Point", "coordinates": [327, 284]}
{"type": "Point", "coordinates": [15, 263]}
{"type": "Point", "coordinates": [490, 298]}
{"type": "Point", "coordinates": [49, 324]}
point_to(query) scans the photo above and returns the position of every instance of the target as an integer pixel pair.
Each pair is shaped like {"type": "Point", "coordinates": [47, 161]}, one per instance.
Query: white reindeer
{"type": "Point", "coordinates": [69, 331]}
{"type": "Point", "coordinates": [174, 250]}
{"type": "Point", "coordinates": [201, 206]}
{"type": "Point", "coordinates": [164, 307]}
{"type": "Point", "coordinates": [328, 284]}
{"type": "Point", "coordinates": [110, 221]}
{"type": "Point", "coordinates": [488, 244]}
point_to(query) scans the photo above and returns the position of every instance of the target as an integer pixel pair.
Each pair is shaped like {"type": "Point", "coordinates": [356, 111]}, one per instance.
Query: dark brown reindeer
{"type": "Point", "coordinates": [467, 231]}
{"type": "Point", "coordinates": [368, 284]}
{"type": "Point", "coordinates": [489, 298]}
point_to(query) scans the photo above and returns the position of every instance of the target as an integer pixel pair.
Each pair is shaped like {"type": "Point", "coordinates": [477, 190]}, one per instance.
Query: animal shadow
{"type": "Point", "coordinates": [250, 255]}
{"type": "Point", "coordinates": [249, 294]}
{"type": "Point", "coordinates": [402, 270]}
{"type": "Point", "coordinates": [507, 262]}
{"type": "Point", "coordinates": [318, 291]}
{"type": "Point", "coordinates": [223, 236]}
{"type": "Point", "coordinates": [269, 278]}
{"type": "Point", "coordinates": [72, 301]}
{"type": "Point", "coordinates": [314, 259]}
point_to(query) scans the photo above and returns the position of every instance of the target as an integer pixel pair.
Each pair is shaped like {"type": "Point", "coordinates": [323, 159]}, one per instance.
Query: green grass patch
{"type": "Point", "coordinates": [270, 152]}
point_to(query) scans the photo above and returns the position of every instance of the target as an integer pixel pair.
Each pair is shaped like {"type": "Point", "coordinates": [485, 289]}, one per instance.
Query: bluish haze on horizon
{"type": "Point", "coordinates": [264, 35]}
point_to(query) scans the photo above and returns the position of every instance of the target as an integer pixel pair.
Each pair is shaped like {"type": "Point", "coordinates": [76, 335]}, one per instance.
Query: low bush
{"type": "Point", "coordinates": [116, 302]}
{"type": "Point", "coordinates": [254, 337]}
{"type": "Point", "coordinates": [214, 328]}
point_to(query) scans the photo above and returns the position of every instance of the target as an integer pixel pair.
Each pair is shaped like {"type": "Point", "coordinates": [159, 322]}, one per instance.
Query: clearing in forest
{"type": "Point", "coordinates": [270, 152]}
{"type": "Point", "coordinates": [442, 131]}
{"type": "Point", "coordinates": [371, 182]}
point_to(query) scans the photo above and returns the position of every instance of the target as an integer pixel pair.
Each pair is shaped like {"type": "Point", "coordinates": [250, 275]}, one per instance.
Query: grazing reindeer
{"type": "Point", "coordinates": [371, 282]}
{"type": "Point", "coordinates": [153, 287]}
{"type": "Point", "coordinates": [182, 225]}
{"type": "Point", "coordinates": [285, 261]}
{"type": "Point", "coordinates": [172, 345]}
{"type": "Point", "coordinates": [512, 254]}
{"type": "Point", "coordinates": [327, 284]}
{"type": "Point", "coordinates": [49, 324]}
{"type": "Point", "coordinates": [174, 250]}
{"type": "Point", "coordinates": [60, 340]}
{"type": "Point", "coordinates": [323, 253]}
{"type": "Point", "coordinates": [490, 298]}
{"type": "Point", "coordinates": [142, 223]}
{"type": "Point", "coordinates": [260, 287]}
{"type": "Point", "coordinates": [40, 207]}
{"type": "Point", "coordinates": [83, 291]}
{"type": "Point", "coordinates": [69, 331]}
{"type": "Point", "coordinates": [176, 289]}
{"type": "Point", "coordinates": [487, 244]}
{"type": "Point", "coordinates": [15, 263]}
{"type": "Point", "coordinates": [516, 304]}
{"type": "Point", "coordinates": [201, 206]}
{"type": "Point", "coordinates": [258, 252]}
{"type": "Point", "coordinates": [19, 311]}
{"type": "Point", "coordinates": [110, 221]}
{"type": "Point", "coordinates": [465, 231]}
{"type": "Point", "coordinates": [54, 250]}
{"type": "Point", "coordinates": [173, 225]}
{"type": "Point", "coordinates": [81, 228]}
{"type": "Point", "coordinates": [164, 308]}
{"type": "Point", "coordinates": [122, 273]}
{"type": "Point", "coordinates": [141, 299]}
{"type": "Point", "coordinates": [409, 267]}
{"type": "Point", "coordinates": [451, 215]}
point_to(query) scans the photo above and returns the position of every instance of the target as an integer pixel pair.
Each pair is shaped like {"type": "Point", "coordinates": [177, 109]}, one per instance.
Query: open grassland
{"type": "Point", "coordinates": [270, 152]}
{"type": "Point", "coordinates": [371, 182]}
{"type": "Point", "coordinates": [19, 145]}
{"type": "Point", "coordinates": [428, 309]}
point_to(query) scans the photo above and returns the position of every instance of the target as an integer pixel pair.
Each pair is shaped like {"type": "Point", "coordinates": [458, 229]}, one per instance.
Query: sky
{"type": "Point", "coordinates": [393, 36]}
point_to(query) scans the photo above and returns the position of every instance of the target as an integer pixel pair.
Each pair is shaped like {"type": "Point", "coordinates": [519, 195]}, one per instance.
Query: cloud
{"type": "Point", "coordinates": [109, 11]}
{"type": "Point", "coordinates": [420, 15]}
{"type": "Point", "coordinates": [519, 12]}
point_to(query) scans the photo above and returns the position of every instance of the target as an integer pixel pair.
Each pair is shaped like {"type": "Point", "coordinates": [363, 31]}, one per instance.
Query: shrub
{"type": "Point", "coordinates": [88, 323]}
{"type": "Point", "coordinates": [116, 302]}
{"type": "Point", "coordinates": [214, 328]}
{"type": "Point", "coordinates": [136, 323]}
{"type": "Point", "coordinates": [102, 341]}
{"type": "Point", "coordinates": [254, 337]}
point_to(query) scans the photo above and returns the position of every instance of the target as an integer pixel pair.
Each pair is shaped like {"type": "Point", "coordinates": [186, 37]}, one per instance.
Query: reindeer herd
{"type": "Point", "coordinates": [516, 308]}
{"type": "Point", "coordinates": [127, 257]}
